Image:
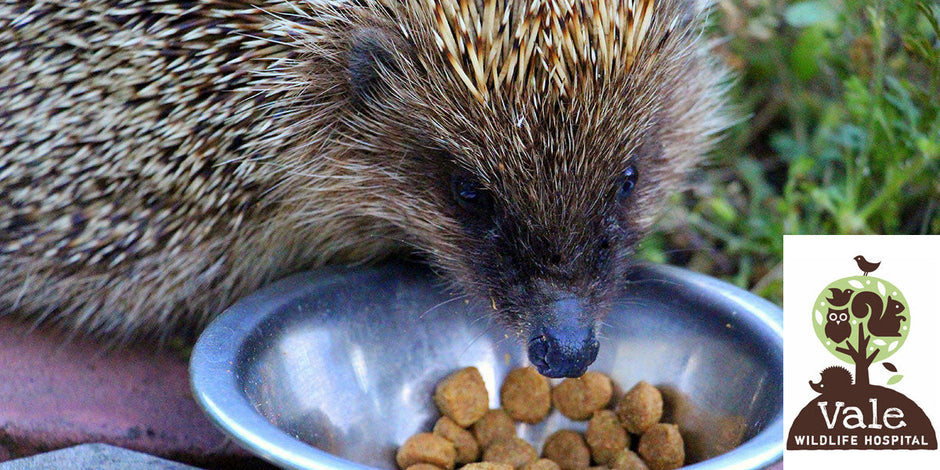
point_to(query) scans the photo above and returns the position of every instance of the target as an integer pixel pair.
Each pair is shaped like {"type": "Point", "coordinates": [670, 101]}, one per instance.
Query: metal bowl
{"type": "Point", "coordinates": [335, 369]}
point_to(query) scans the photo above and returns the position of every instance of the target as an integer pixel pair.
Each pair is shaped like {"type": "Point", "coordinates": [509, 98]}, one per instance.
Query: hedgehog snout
{"type": "Point", "coordinates": [561, 343]}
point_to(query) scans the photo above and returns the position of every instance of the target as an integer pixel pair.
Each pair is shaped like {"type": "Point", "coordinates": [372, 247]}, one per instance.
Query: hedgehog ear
{"type": "Point", "coordinates": [374, 55]}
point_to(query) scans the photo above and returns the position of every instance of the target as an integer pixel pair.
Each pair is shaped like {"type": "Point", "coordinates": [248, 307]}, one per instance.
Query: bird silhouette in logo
{"type": "Point", "coordinates": [839, 297]}
{"type": "Point", "coordinates": [865, 266]}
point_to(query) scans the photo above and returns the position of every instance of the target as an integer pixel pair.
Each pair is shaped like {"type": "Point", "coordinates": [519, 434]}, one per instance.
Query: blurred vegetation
{"type": "Point", "coordinates": [839, 133]}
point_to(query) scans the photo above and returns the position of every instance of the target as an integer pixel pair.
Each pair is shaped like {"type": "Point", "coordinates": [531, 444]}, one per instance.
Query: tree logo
{"type": "Point", "coordinates": [861, 320]}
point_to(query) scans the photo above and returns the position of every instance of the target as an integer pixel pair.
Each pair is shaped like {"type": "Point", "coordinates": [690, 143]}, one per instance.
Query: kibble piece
{"type": "Point", "coordinates": [640, 408]}
{"type": "Point", "coordinates": [515, 451]}
{"type": "Point", "coordinates": [526, 395]}
{"type": "Point", "coordinates": [424, 466]}
{"type": "Point", "coordinates": [486, 466]}
{"type": "Point", "coordinates": [462, 396]}
{"type": "Point", "coordinates": [467, 448]}
{"type": "Point", "coordinates": [600, 389]}
{"type": "Point", "coordinates": [568, 450]}
{"type": "Point", "coordinates": [495, 424]}
{"type": "Point", "coordinates": [579, 398]}
{"type": "Point", "coordinates": [541, 464]}
{"type": "Point", "coordinates": [661, 447]}
{"type": "Point", "coordinates": [606, 436]}
{"type": "Point", "coordinates": [425, 447]}
{"type": "Point", "coordinates": [627, 459]}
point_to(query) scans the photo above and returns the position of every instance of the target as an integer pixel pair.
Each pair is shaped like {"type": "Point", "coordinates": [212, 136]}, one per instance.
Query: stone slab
{"type": "Point", "coordinates": [96, 456]}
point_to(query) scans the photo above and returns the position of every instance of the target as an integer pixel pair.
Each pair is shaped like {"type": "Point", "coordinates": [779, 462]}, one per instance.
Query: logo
{"type": "Point", "coordinates": [861, 320]}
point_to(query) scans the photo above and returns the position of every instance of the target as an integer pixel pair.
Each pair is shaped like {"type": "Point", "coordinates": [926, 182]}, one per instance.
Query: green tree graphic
{"type": "Point", "coordinates": [861, 320]}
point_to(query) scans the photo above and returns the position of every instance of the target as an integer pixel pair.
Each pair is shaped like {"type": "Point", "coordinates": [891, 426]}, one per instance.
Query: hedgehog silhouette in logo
{"type": "Point", "coordinates": [833, 379]}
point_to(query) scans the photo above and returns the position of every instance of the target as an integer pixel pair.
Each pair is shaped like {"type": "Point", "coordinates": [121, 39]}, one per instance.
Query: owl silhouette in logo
{"type": "Point", "coordinates": [838, 328]}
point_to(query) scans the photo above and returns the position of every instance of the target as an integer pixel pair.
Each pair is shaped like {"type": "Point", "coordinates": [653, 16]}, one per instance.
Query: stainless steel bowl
{"type": "Point", "coordinates": [335, 369]}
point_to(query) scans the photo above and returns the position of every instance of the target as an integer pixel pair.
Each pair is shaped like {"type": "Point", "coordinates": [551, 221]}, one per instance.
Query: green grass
{"type": "Point", "coordinates": [840, 135]}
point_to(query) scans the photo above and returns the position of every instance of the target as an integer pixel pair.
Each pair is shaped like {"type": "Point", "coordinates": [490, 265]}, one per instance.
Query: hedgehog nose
{"type": "Point", "coordinates": [563, 346]}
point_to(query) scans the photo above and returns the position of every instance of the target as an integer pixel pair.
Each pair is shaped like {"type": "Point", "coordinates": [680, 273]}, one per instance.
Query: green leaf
{"type": "Point", "coordinates": [927, 11]}
{"type": "Point", "coordinates": [806, 52]}
{"type": "Point", "coordinates": [895, 379]}
{"type": "Point", "coordinates": [851, 137]}
{"type": "Point", "coordinates": [723, 210]}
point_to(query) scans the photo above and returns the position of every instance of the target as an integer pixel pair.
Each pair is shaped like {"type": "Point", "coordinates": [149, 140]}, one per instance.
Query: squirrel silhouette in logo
{"type": "Point", "coordinates": [833, 379]}
{"type": "Point", "coordinates": [883, 321]}
{"type": "Point", "coordinates": [838, 327]}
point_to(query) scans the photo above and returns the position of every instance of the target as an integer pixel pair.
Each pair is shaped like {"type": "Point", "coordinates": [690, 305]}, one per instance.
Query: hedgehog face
{"type": "Point", "coordinates": [532, 193]}
{"type": "Point", "coordinates": [538, 208]}
{"type": "Point", "coordinates": [547, 216]}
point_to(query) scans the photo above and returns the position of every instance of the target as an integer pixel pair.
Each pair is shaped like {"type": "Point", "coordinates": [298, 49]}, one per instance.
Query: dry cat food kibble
{"type": "Point", "coordinates": [468, 450]}
{"type": "Point", "coordinates": [487, 466]}
{"type": "Point", "coordinates": [568, 450]}
{"type": "Point", "coordinates": [605, 436]}
{"type": "Point", "coordinates": [515, 451]}
{"type": "Point", "coordinates": [541, 464]}
{"type": "Point", "coordinates": [621, 435]}
{"type": "Point", "coordinates": [462, 396]}
{"type": "Point", "coordinates": [424, 466]}
{"type": "Point", "coordinates": [640, 408]}
{"type": "Point", "coordinates": [425, 447]}
{"type": "Point", "coordinates": [661, 447]}
{"type": "Point", "coordinates": [627, 459]}
{"type": "Point", "coordinates": [526, 395]}
{"type": "Point", "coordinates": [579, 398]}
{"type": "Point", "coordinates": [495, 424]}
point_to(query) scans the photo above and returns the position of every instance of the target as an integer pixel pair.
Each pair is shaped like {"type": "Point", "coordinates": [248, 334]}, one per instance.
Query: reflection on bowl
{"type": "Point", "coordinates": [335, 369]}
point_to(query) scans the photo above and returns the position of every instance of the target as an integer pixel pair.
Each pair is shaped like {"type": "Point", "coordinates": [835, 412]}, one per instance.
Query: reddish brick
{"type": "Point", "coordinates": [57, 392]}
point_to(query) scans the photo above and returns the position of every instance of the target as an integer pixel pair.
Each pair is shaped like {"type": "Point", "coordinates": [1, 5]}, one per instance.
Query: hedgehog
{"type": "Point", "coordinates": [160, 159]}
{"type": "Point", "coordinates": [833, 379]}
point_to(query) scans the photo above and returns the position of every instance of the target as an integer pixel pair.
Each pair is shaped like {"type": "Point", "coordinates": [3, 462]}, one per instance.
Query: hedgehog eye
{"type": "Point", "coordinates": [626, 182]}
{"type": "Point", "coordinates": [470, 195]}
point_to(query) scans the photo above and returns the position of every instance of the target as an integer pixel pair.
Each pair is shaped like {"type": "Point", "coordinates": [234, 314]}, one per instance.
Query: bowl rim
{"type": "Point", "coordinates": [214, 381]}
